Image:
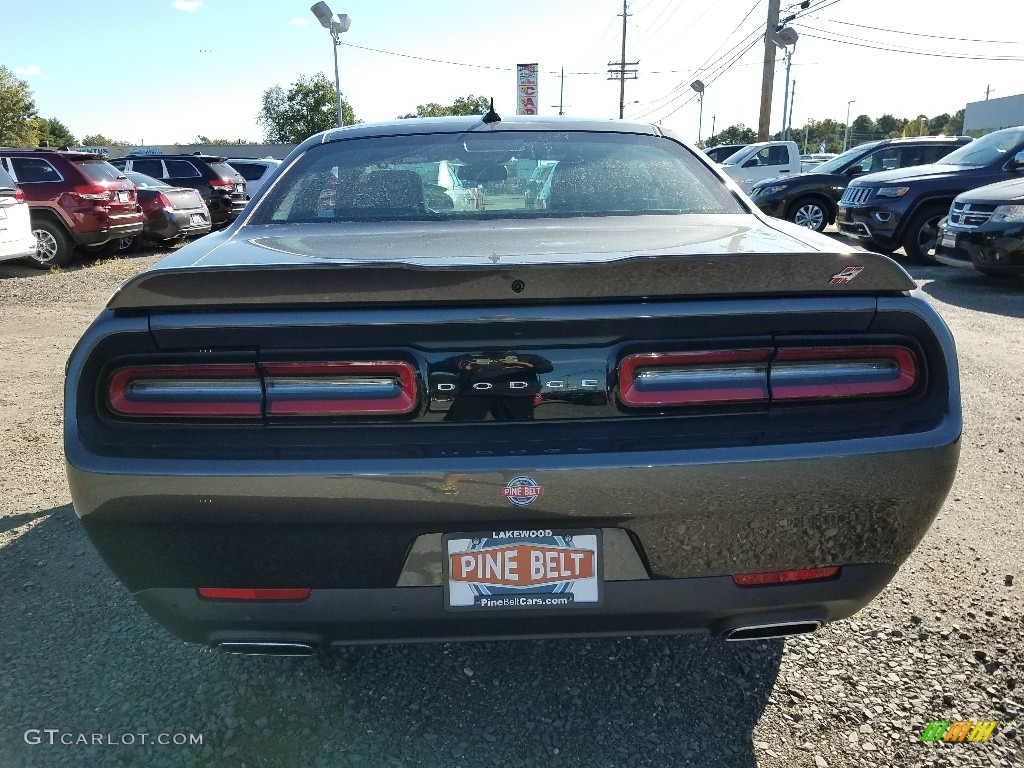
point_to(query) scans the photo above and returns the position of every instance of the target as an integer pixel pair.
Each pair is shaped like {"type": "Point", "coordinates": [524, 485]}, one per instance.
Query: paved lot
{"type": "Point", "coordinates": [943, 642]}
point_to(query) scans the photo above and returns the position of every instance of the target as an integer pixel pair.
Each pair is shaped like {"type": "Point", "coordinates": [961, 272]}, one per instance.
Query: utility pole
{"type": "Point", "coordinates": [988, 90]}
{"type": "Point", "coordinates": [561, 93]}
{"type": "Point", "coordinates": [785, 95]}
{"type": "Point", "coordinates": [620, 72]}
{"type": "Point", "coordinates": [768, 73]}
{"type": "Point", "coordinates": [789, 120]}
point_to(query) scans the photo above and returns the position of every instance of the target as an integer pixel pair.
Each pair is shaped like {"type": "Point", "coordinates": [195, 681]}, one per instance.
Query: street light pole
{"type": "Point", "coordinates": [698, 86]}
{"type": "Point", "coordinates": [336, 25]}
{"type": "Point", "coordinates": [846, 133]}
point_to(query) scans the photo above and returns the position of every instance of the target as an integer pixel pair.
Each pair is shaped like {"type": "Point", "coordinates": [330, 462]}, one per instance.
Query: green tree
{"type": "Point", "coordinates": [308, 107]}
{"type": "Point", "coordinates": [54, 132]}
{"type": "Point", "coordinates": [99, 140]}
{"type": "Point", "coordinates": [200, 139]}
{"type": "Point", "coordinates": [734, 134]}
{"type": "Point", "coordinates": [956, 123]}
{"type": "Point", "coordinates": [464, 105]}
{"type": "Point", "coordinates": [939, 124]}
{"type": "Point", "coordinates": [17, 110]}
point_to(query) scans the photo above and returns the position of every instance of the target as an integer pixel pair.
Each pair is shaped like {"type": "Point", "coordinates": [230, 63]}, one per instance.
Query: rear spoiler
{"type": "Point", "coordinates": [634, 279]}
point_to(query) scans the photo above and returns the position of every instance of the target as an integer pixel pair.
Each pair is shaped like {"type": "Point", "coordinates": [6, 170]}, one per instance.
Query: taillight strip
{"type": "Point", "coordinates": [371, 388]}
{"type": "Point", "coordinates": [186, 390]}
{"type": "Point", "coordinates": [694, 378]}
{"type": "Point", "coordinates": [829, 372]}
{"type": "Point", "coordinates": [786, 577]}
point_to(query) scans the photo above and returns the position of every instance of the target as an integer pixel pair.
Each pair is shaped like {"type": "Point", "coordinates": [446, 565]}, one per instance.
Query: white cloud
{"type": "Point", "coordinates": [187, 5]}
{"type": "Point", "coordinates": [298, 21]}
{"type": "Point", "coordinates": [32, 70]}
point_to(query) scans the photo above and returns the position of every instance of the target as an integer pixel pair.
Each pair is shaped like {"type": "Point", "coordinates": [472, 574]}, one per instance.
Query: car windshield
{"type": "Point", "coordinates": [467, 176]}
{"type": "Point", "coordinates": [993, 148]}
{"type": "Point", "coordinates": [836, 164]}
{"type": "Point", "coordinates": [142, 181]}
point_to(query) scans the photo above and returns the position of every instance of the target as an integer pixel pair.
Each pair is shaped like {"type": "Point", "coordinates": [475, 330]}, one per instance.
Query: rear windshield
{"type": "Point", "coordinates": [98, 170]}
{"type": "Point", "coordinates": [223, 170]}
{"type": "Point", "coordinates": [511, 174]}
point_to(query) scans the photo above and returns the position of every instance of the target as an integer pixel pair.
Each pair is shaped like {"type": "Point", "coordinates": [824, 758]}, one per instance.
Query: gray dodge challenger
{"type": "Point", "coordinates": [394, 401]}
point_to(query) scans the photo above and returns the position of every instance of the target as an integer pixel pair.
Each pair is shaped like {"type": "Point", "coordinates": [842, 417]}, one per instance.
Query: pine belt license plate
{"type": "Point", "coordinates": [522, 570]}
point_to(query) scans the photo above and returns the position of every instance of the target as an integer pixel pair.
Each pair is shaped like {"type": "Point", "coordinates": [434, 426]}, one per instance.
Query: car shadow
{"type": "Point", "coordinates": [969, 289]}
{"type": "Point", "coordinates": [79, 655]}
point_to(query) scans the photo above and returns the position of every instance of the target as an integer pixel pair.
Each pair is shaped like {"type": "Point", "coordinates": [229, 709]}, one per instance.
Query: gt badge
{"type": "Point", "coordinates": [846, 275]}
{"type": "Point", "coordinates": [523, 490]}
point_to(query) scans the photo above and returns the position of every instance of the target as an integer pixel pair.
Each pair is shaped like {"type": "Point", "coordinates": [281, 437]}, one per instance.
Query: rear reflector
{"type": "Point", "coordinates": [186, 390]}
{"type": "Point", "coordinates": [693, 378]}
{"type": "Point", "coordinates": [785, 577]}
{"type": "Point", "coordinates": [829, 372]}
{"type": "Point", "coordinates": [340, 389]}
{"type": "Point", "coordinates": [224, 593]}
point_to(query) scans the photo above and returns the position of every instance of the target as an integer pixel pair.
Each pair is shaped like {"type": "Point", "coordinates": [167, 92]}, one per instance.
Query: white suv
{"type": "Point", "coordinates": [16, 238]}
{"type": "Point", "coordinates": [255, 172]}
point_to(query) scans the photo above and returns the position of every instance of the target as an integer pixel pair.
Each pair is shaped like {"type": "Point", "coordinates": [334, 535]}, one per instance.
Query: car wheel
{"type": "Point", "coordinates": [923, 233]}
{"type": "Point", "coordinates": [53, 245]}
{"type": "Point", "coordinates": [809, 212]}
{"type": "Point", "coordinates": [127, 245]}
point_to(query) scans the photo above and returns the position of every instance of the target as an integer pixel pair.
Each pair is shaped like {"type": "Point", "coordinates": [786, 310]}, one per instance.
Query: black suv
{"type": "Point", "coordinates": [893, 208]}
{"type": "Point", "coordinates": [811, 199]}
{"type": "Point", "coordinates": [221, 186]}
{"type": "Point", "coordinates": [985, 227]}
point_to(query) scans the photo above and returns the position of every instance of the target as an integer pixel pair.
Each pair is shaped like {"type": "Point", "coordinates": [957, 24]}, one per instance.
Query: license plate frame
{"type": "Point", "coordinates": [123, 196]}
{"type": "Point", "coordinates": [476, 567]}
{"type": "Point", "coordinates": [196, 219]}
{"type": "Point", "coordinates": [948, 240]}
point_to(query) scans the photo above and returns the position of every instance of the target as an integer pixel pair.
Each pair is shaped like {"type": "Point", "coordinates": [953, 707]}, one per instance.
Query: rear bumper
{"type": "Point", "coordinates": [117, 227]}
{"type": "Point", "coordinates": [406, 614]}
{"type": "Point", "coordinates": [18, 249]}
{"type": "Point", "coordinates": [170, 225]}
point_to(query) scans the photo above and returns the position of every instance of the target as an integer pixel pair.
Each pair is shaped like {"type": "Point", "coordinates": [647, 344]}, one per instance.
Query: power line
{"type": "Point", "coordinates": [922, 34]}
{"type": "Point", "coordinates": [875, 45]}
{"type": "Point", "coordinates": [655, 25]}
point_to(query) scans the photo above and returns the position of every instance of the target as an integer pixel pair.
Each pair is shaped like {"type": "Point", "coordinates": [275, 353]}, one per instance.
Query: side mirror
{"type": "Point", "coordinates": [1018, 161]}
{"type": "Point", "coordinates": [854, 170]}
{"type": "Point", "coordinates": [751, 163]}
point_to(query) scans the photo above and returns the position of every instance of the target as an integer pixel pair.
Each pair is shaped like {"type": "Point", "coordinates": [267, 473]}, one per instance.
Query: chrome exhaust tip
{"type": "Point", "coordinates": [769, 631]}
{"type": "Point", "coordinates": [267, 649]}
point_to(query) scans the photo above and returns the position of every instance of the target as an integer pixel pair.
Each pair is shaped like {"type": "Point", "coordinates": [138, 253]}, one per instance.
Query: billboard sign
{"type": "Point", "coordinates": [526, 89]}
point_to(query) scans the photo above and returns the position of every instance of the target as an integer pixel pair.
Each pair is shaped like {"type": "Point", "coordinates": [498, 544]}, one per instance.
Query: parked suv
{"type": "Point", "coordinates": [255, 172]}
{"type": "Point", "coordinates": [74, 198]}
{"type": "Point", "coordinates": [221, 186]}
{"type": "Point", "coordinates": [985, 227]}
{"type": "Point", "coordinates": [893, 208]}
{"type": "Point", "coordinates": [16, 238]}
{"type": "Point", "coordinates": [811, 199]}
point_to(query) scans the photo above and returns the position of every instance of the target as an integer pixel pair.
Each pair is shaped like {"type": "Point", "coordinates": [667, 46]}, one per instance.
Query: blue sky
{"type": "Point", "coordinates": [163, 71]}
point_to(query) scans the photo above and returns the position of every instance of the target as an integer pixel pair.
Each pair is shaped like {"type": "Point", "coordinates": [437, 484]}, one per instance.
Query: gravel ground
{"type": "Point", "coordinates": [943, 642]}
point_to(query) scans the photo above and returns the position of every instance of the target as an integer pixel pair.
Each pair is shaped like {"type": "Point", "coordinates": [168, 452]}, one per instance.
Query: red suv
{"type": "Point", "coordinates": [74, 198]}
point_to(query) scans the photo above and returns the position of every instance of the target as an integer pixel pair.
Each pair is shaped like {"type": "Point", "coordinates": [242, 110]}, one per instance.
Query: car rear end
{"type": "Point", "coordinates": [101, 202]}
{"type": "Point", "coordinates": [279, 469]}
{"type": "Point", "coordinates": [16, 238]}
{"type": "Point", "coordinates": [176, 213]}
{"type": "Point", "coordinates": [225, 194]}
{"type": "Point", "coordinates": [644, 408]}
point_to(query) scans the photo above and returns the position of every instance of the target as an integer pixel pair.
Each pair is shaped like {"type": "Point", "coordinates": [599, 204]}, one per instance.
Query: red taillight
{"type": "Point", "coordinates": [785, 577]}
{"type": "Point", "coordinates": [340, 389]}
{"type": "Point", "coordinates": [785, 374]}
{"type": "Point", "coordinates": [229, 593]}
{"type": "Point", "coordinates": [694, 378]}
{"type": "Point", "coordinates": [163, 202]}
{"type": "Point", "coordinates": [186, 390]}
{"type": "Point", "coordinates": [93, 192]}
{"type": "Point", "coordinates": [830, 372]}
{"type": "Point", "coordinates": [19, 195]}
{"type": "Point", "coordinates": [222, 183]}
{"type": "Point", "coordinates": [354, 388]}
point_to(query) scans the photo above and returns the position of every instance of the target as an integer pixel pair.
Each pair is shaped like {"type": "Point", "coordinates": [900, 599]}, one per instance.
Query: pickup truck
{"type": "Point", "coordinates": [763, 160]}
